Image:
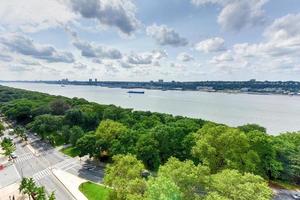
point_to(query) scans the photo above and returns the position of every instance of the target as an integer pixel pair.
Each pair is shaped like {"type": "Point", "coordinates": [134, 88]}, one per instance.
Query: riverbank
{"type": "Point", "coordinates": [278, 113]}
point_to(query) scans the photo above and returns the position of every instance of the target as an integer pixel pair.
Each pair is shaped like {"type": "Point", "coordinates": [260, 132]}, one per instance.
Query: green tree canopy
{"type": "Point", "coordinates": [124, 175]}
{"type": "Point", "coordinates": [162, 188]}
{"type": "Point", "coordinates": [190, 179]}
{"type": "Point", "coordinates": [221, 147]}
{"type": "Point", "coordinates": [230, 184]}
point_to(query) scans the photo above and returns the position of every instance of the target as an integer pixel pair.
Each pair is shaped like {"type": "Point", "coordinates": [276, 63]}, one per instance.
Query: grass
{"type": "Point", "coordinates": [94, 191]}
{"type": "Point", "coordinates": [71, 151]}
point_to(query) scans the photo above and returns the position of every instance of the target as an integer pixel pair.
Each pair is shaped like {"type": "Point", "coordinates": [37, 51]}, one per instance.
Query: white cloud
{"type": "Point", "coordinates": [79, 66]}
{"type": "Point", "coordinates": [211, 45]}
{"type": "Point", "coordinates": [165, 35]}
{"type": "Point", "coordinates": [280, 52]}
{"type": "Point", "coordinates": [144, 58]}
{"type": "Point", "coordinates": [284, 28]}
{"type": "Point", "coordinates": [224, 57]}
{"type": "Point", "coordinates": [116, 13]}
{"type": "Point", "coordinates": [184, 57]}
{"type": "Point", "coordinates": [34, 15]}
{"type": "Point", "coordinates": [237, 14]}
{"type": "Point", "coordinates": [91, 50]}
{"type": "Point", "coordinates": [25, 46]}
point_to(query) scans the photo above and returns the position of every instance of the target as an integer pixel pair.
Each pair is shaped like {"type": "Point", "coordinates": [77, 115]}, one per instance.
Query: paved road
{"type": "Point", "coordinates": [285, 194]}
{"type": "Point", "coordinates": [38, 165]}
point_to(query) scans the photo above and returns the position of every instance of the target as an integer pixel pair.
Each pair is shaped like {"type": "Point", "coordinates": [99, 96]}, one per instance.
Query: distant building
{"type": "Point", "coordinates": [160, 80]}
{"type": "Point", "coordinates": [90, 81]}
{"type": "Point", "coordinates": [65, 81]}
{"type": "Point", "coordinates": [96, 80]}
{"type": "Point", "coordinates": [252, 80]}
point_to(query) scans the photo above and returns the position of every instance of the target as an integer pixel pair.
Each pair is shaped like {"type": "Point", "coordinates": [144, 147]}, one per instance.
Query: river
{"type": "Point", "coordinates": [277, 113]}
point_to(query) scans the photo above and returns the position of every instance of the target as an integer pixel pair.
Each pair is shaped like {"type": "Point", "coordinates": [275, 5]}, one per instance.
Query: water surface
{"type": "Point", "coordinates": [277, 113]}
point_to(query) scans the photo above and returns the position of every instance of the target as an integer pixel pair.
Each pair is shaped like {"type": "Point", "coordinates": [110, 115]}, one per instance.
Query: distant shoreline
{"type": "Point", "coordinates": [225, 91]}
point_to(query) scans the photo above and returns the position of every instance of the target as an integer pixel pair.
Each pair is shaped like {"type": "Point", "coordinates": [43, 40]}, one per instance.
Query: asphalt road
{"type": "Point", "coordinates": [38, 165]}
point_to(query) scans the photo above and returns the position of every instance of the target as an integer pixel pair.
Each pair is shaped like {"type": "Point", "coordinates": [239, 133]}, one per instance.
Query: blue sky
{"type": "Point", "coordinates": [142, 40]}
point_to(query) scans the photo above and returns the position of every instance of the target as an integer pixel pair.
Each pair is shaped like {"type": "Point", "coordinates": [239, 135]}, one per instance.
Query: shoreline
{"type": "Point", "coordinates": [158, 89]}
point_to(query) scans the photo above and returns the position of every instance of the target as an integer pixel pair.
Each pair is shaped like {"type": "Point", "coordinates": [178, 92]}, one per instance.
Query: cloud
{"type": "Point", "coordinates": [91, 50]}
{"type": "Point", "coordinates": [184, 57]}
{"type": "Point", "coordinates": [79, 66]}
{"type": "Point", "coordinates": [5, 58]}
{"type": "Point", "coordinates": [237, 14]}
{"type": "Point", "coordinates": [116, 13]}
{"type": "Point", "coordinates": [211, 45]}
{"type": "Point", "coordinates": [20, 68]}
{"type": "Point", "coordinates": [165, 35]}
{"type": "Point", "coordinates": [159, 54]}
{"type": "Point", "coordinates": [25, 46]}
{"type": "Point", "coordinates": [280, 51]}
{"type": "Point", "coordinates": [34, 15]}
{"type": "Point", "coordinates": [284, 28]}
{"type": "Point", "coordinates": [144, 58]}
{"type": "Point", "coordinates": [224, 57]}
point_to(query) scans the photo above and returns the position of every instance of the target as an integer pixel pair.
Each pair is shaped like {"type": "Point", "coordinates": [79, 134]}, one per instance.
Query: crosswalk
{"type": "Point", "coordinates": [23, 157]}
{"type": "Point", "coordinates": [66, 164]}
{"type": "Point", "coordinates": [41, 174]}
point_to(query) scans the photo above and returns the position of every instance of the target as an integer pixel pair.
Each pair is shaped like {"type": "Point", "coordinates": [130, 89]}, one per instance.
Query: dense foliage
{"type": "Point", "coordinates": [30, 188]}
{"type": "Point", "coordinates": [187, 154]}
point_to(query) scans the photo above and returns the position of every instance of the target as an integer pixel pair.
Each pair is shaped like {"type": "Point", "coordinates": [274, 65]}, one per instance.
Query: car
{"type": "Point", "coordinates": [296, 196]}
{"type": "Point", "coordinates": [13, 156]}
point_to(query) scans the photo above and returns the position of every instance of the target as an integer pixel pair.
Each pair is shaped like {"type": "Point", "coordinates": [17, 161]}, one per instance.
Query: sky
{"type": "Point", "coordinates": [143, 40]}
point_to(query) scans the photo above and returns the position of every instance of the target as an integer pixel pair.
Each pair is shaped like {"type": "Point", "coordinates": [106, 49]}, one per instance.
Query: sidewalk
{"type": "Point", "coordinates": [12, 190]}
{"type": "Point", "coordinates": [70, 182]}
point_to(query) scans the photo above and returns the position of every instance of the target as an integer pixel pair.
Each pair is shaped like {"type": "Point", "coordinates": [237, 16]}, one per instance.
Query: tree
{"type": "Point", "coordinates": [252, 127]}
{"type": "Point", "coordinates": [169, 141]}
{"type": "Point", "coordinates": [124, 175]}
{"type": "Point", "coordinates": [287, 148]}
{"type": "Point", "coordinates": [125, 143]}
{"type": "Point", "coordinates": [262, 144]}
{"type": "Point", "coordinates": [87, 145]}
{"type": "Point", "coordinates": [46, 124]}
{"type": "Point", "coordinates": [52, 196]}
{"type": "Point", "coordinates": [40, 194]}
{"type": "Point", "coordinates": [66, 133]}
{"type": "Point", "coordinates": [74, 117]}
{"type": "Point", "coordinates": [107, 132]}
{"type": "Point", "coordinates": [190, 179]}
{"type": "Point", "coordinates": [29, 187]}
{"type": "Point", "coordinates": [59, 106]}
{"type": "Point", "coordinates": [221, 147]}
{"type": "Point", "coordinates": [1, 129]}
{"type": "Point", "coordinates": [162, 188]}
{"type": "Point", "coordinates": [8, 146]}
{"type": "Point", "coordinates": [230, 184]}
{"type": "Point", "coordinates": [147, 151]}
{"type": "Point", "coordinates": [76, 133]}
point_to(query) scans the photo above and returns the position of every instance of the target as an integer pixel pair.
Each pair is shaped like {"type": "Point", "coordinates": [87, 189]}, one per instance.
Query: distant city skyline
{"type": "Point", "coordinates": [142, 40]}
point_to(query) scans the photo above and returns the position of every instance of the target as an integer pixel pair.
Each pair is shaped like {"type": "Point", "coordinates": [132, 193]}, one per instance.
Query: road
{"type": "Point", "coordinates": [37, 163]}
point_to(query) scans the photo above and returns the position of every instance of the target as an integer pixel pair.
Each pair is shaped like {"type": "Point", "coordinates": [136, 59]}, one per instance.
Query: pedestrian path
{"type": "Point", "coordinates": [24, 157]}
{"type": "Point", "coordinates": [41, 174]}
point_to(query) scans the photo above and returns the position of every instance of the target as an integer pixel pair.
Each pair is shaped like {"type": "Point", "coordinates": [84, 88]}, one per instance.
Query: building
{"type": "Point", "coordinates": [160, 80]}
